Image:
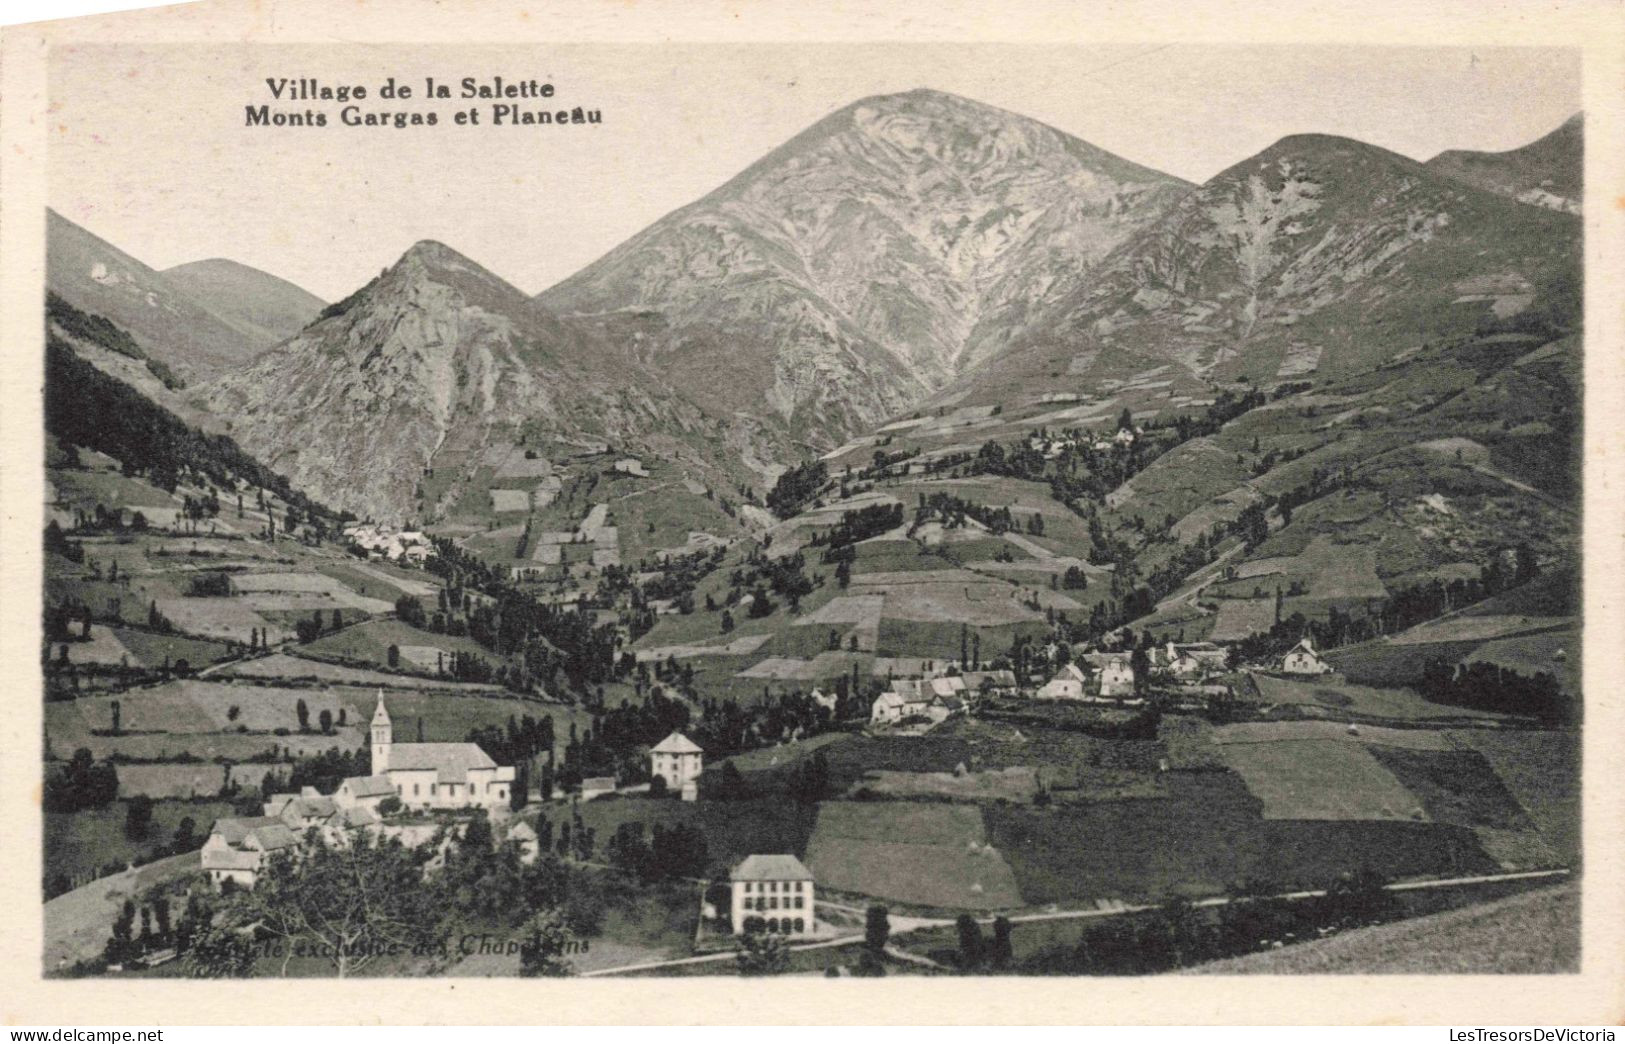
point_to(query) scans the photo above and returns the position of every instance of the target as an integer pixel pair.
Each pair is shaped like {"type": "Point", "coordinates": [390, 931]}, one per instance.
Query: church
{"type": "Point", "coordinates": [437, 775]}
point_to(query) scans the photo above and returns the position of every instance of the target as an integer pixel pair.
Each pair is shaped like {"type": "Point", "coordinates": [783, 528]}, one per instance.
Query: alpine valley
{"type": "Point", "coordinates": [1015, 528]}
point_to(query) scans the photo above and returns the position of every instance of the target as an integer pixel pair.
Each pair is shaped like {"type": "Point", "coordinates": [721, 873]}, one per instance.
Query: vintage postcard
{"type": "Point", "coordinates": [574, 492]}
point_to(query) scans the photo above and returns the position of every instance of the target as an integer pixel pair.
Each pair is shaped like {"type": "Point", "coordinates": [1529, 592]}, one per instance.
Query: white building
{"type": "Point", "coordinates": [1117, 678]}
{"type": "Point", "coordinates": [907, 698]}
{"type": "Point", "coordinates": [776, 888]}
{"type": "Point", "coordinates": [238, 848]}
{"type": "Point", "coordinates": [1066, 685]}
{"type": "Point", "coordinates": [677, 759]}
{"type": "Point", "coordinates": [1302, 659]}
{"type": "Point", "coordinates": [434, 775]}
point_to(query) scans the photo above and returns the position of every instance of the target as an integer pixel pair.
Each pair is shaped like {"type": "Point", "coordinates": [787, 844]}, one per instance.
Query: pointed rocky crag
{"type": "Point", "coordinates": [435, 358]}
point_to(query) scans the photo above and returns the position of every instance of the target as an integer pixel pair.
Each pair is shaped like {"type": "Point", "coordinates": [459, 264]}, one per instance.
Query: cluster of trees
{"type": "Point", "coordinates": [953, 511]}
{"type": "Point", "coordinates": [82, 783]}
{"type": "Point", "coordinates": [1488, 686]}
{"type": "Point", "coordinates": [549, 640]}
{"type": "Point", "coordinates": [796, 487]}
{"type": "Point", "coordinates": [86, 407]}
{"type": "Point", "coordinates": [670, 853]}
{"type": "Point", "coordinates": [57, 543]}
{"type": "Point", "coordinates": [324, 771]}
{"type": "Point", "coordinates": [861, 524]}
{"type": "Point", "coordinates": [1177, 935]}
{"type": "Point", "coordinates": [373, 900]}
{"type": "Point", "coordinates": [99, 331]}
{"type": "Point", "coordinates": [1417, 603]}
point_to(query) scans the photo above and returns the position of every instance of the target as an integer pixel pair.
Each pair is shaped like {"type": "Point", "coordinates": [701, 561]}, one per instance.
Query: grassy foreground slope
{"type": "Point", "coordinates": [1537, 933]}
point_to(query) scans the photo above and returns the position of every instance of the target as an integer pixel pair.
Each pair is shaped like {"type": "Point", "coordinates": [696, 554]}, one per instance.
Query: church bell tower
{"type": "Point", "coordinates": [383, 734]}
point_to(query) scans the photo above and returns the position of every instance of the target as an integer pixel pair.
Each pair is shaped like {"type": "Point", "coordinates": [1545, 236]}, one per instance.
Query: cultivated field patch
{"type": "Point", "coordinates": [1541, 769]}
{"type": "Point", "coordinates": [198, 779]}
{"type": "Point", "coordinates": [1018, 783]}
{"type": "Point", "coordinates": [927, 854]}
{"type": "Point", "coordinates": [286, 667]}
{"type": "Point", "coordinates": [1475, 629]}
{"type": "Point", "coordinates": [1337, 695]}
{"type": "Point", "coordinates": [1321, 779]}
{"type": "Point", "coordinates": [1337, 732]}
{"type": "Point", "coordinates": [230, 618]}
{"type": "Point", "coordinates": [1239, 618]}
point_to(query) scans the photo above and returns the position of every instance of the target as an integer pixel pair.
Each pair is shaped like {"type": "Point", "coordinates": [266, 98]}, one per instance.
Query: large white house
{"type": "Point", "coordinates": [677, 759]}
{"type": "Point", "coordinates": [434, 775]}
{"type": "Point", "coordinates": [1302, 659]}
{"type": "Point", "coordinates": [1066, 685]}
{"type": "Point", "coordinates": [1117, 677]}
{"type": "Point", "coordinates": [776, 888]}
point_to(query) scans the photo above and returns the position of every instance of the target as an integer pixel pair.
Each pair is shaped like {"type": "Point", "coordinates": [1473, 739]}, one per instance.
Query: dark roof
{"type": "Point", "coordinates": [770, 868]}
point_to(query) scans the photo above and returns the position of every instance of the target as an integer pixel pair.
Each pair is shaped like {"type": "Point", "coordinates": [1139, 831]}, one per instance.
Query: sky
{"type": "Point", "coordinates": [150, 149]}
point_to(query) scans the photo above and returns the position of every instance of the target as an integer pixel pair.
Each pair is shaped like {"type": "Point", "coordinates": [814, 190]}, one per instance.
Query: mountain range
{"type": "Point", "coordinates": [910, 251]}
{"type": "Point", "coordinates": [869, 259]}
{"type": "Point", "coordinates": [200, 320]}
{"type": "Point", "coordinates": [1548, 172]}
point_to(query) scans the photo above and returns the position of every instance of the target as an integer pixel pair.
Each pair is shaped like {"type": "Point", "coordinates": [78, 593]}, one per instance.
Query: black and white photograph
{"type": "Point", "coordinates": [850, 510]}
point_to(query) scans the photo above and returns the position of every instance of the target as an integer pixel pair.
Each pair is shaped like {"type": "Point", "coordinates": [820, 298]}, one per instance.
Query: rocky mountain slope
{"type": "Point", "coordinates": [1319, 254]}
{"type": "Point", "coordinates": [1545, 173]}
{"type": "Point", "coordinates": [869, 259]}
{"type": "Point", "coordinates": [272, 307]}
{"type": "Point", "coordinates": [436, 360]}
{"type": "Point", "coordinates": [172, 325]}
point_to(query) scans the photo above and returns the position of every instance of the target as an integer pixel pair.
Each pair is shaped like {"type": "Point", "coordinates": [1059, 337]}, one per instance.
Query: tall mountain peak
{"type": "Point", "coordinates": [860, 265]}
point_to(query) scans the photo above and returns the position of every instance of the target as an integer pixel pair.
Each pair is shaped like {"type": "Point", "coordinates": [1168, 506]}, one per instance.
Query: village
{"type": "Point", "coordinates": [427, 796]}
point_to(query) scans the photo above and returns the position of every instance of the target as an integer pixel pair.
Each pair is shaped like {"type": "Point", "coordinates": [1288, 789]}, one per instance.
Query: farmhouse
{"type": "Point", "coordinates": [775, 889]}
{"type": "Point", "coordinates": [1117, 678]}
{"type": "Point", "coordinates": [436, 775]}
{"type": "Point", "coordinates": [907, 698]}
{"type": "Point", "coordinates": [1302, 659]}
{"type": "Point", "coordinates": [887, 708]}
{"type": "Point", "coordinates": [1066, 685]}
{"type": "Point", "coordinates": [597, 786]}
{"type": "Point", "coordinates": [237, 848]}
{"type": "Point", "coordinates": [677, 759]}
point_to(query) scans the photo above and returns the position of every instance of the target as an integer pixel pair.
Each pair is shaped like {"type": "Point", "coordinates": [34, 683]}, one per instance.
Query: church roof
{"type": "Point", "coordinates": [771, 868]}
{"type": "Point", "coordinates": [451, 761]}
{"type": "Point", "coordinates": [380, 714]}
{"type": "Point", "coordinates": [371, 786]}
{"type": "Point", "coordinates": [677, 743]}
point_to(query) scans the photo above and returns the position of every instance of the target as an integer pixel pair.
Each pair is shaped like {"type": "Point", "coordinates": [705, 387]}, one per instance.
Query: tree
{"type": "Point", "coordinates": [876, 932]}
{"type": "Point", "coordinates": [727, 621]}
{"type": "Point", "coordinates": [970, 941]}
{"type": "Point", "coordinates": [325, 720]}
{"type": "Point", "coordinates": [547, 939]}
{"type": "Point", "coordinates": [302, 712]}
{"type": "Point", "coordinates": [394, 656]}
{"type": "Point", "coordinates": [763, 953]}
{"type": "Point", "coordinates": [219, 953]}
{"type": "Point", "coordinates": [121, 943]}
{"type": "Point", "coordinates": [1001, 951]}
{"type": "Point", "coordinates": [137, 817]}
{"type": "Point", "coordinates": [355, 901]}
